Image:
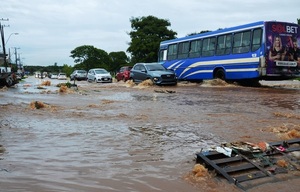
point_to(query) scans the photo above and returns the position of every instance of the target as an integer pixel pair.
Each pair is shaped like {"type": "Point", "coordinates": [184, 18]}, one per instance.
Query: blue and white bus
{"type": "Point", "coordinates": [255, 51]}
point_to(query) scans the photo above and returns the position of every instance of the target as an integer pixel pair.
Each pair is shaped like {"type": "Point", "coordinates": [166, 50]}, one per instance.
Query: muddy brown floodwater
{"type": "Point", "coordinates": [125, 137]}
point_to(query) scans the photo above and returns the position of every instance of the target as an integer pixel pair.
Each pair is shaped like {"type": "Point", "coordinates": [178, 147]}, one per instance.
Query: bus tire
{"type": "Point", "coordinates": [220, 74]}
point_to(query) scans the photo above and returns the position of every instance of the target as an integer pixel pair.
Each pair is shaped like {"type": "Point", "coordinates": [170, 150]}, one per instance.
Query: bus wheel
{"type": "Point", "coordinates": [220, 74]}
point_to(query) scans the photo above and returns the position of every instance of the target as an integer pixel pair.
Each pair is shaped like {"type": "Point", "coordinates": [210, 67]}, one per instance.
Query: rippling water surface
{"type": "Point", "coordinates": [111, 137]}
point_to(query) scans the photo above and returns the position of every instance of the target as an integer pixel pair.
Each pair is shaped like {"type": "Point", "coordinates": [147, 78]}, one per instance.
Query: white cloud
{"type": "Point", "coordinates": [50, 29]}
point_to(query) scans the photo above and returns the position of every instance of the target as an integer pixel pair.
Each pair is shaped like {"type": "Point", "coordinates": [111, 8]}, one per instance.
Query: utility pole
{"type": "Point", "coordinates": [3, 42]}
{"type": "Point", "coordinates": [16, 55]}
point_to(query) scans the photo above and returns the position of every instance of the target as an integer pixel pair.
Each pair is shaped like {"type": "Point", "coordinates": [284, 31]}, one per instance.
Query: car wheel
{"type": "Point", "coordinates": [9, 81]}
{"type": "Point", "coordinates": [95, 80]}
{"type": "Point", "coordinates": [124, 79]}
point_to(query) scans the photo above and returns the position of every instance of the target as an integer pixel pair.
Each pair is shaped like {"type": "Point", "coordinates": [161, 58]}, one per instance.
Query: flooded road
{"type": "Point", "coordinates": [124, 137]}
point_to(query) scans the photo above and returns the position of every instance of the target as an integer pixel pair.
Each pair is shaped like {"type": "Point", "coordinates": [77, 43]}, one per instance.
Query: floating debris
{"type": "Point", "coordinates": [46, 83]}
{"type": "Point", "coordinates": [250, 161]}
{"type": "Point", "coordinates": [164, 91]}
{"type": "Point", "coordinates": [200, 171]}
{"type": "Point", "coordinates": [282, 163]}
{"type": "Point", "coordinates": [37, 105]}
{"type": "Point", "coordinates": [63, 89]}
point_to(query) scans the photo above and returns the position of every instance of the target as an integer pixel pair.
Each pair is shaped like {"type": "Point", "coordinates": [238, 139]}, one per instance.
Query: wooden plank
{"type": "Point", "coordinates": [250, 176]}
{"type": "Point", "coordinates": [278, 143]}
{"type": "Point", "coordinates": [228, 160]}
{"type": "Point", "coordinates": [241, 164]}
{"type": "Point", "coordinates": [213, 154]}
{"type": "Point", "coordinates": [244, 167]}
{"type": "Point", "coordinates": [216, 167]}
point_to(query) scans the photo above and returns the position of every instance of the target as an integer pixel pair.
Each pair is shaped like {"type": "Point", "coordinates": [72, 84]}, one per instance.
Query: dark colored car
{"type": "Point", "coordinates": [78, 75]}
{"type": "Point", "coordinates": [154, 71]}
{"type": "Point", "coordinates": [124, 73]}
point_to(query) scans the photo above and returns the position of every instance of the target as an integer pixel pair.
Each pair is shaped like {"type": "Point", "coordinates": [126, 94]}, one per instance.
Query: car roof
{"type": "Point", "coordinates": [97, 68]}
{"type": "Point", "coordinates": [154, 63]}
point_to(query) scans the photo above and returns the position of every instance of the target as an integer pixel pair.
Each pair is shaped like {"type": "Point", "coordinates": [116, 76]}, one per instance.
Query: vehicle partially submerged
{"type": "Point", "coordinates": [7, 77]}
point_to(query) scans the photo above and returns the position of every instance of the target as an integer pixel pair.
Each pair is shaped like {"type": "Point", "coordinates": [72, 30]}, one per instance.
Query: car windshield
{"type": "Point", "coordinates": [100, 71]}
{"type": "Point", "coordinates": [155, 67]}
{"type": "Point", "coordinates": [81, 71]}
{"type": "Point", "coordinates": [62, 74]}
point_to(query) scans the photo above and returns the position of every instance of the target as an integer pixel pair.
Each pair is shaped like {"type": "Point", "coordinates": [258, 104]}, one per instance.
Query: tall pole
{"type": "Point", "coordinates": [16, 56]}
{"type": "Point", "coordinates": [3, 42]}
{"type": "Point", "coordinates": [3, 46]}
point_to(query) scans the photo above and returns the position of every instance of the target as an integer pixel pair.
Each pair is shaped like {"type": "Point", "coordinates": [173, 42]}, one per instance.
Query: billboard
{"type": "Point", "coordinates": [283, 52]}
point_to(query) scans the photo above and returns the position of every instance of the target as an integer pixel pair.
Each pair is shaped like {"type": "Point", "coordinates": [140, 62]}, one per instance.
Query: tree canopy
{"type": "Point", "coordinates": [146, 35]}
{"type": "Point", "coordinates": [88, 57]}
{"type": "Point", "coordinates": [118, 59]}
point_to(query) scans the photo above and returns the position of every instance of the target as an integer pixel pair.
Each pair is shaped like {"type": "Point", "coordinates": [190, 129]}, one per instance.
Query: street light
{"type": "Point", "coordinates": [10, 36]}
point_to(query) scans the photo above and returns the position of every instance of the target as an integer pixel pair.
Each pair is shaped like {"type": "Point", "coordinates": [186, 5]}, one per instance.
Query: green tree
{"type": "Point", "coordinates": [88, 56]}
{"type": "Point", "coordinates": [146, 35]}
{"type": "Point", "coordinates": [67, 69]}
{"type": "Point", "coordinates": [118, 59]}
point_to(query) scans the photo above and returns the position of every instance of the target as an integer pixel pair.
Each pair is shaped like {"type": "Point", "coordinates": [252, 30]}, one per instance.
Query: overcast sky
{"type": "Point", "coordinates": [50, 29]}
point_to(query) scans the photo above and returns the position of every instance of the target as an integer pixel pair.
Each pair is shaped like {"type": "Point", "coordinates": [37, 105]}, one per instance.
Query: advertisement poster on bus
{"type": "Point", "coordinates": [283, 50]}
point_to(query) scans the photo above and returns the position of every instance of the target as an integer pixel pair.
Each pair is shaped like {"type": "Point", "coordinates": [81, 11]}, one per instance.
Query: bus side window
{"type": "Point", "coordinates": [208, 48]}
{"type": "Point", "coordinates": [220, 45]}
{"type": "Point", "coordinates": [228, 44]}
{"type": "Point", "coordinates": [224, 45]}
{"type": "Point", "coordinates": [246, 42]}
{"type": "Point", "coordinates": [237, 43]}
{"type": "Point", "coordinates": [241, 42]}
{"type": "Point", "coordinates": [195, 49]}
{"type": "Point", "coordinates": [256, 40]}
{"type": "Point", "coordinates": [172, 52]}
{"type": "Point", "coordinates": [183, 50]}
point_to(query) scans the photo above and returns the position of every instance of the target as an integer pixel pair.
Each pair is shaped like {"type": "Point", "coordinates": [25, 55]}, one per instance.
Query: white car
{"type": "Point", "coordinates": [99, 75]}
{"type": "Point", "coordinates": [62, 76]}
{"type": "Point", "coordinates": [54, 76]}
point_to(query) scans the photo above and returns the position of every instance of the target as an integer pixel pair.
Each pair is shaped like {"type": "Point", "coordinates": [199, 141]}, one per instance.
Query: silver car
{"type": "Point", "coordinates": [62, 76]}
{"type": "Point", "coordinates": [78, 75]}
{"type": "Point", "coordinates": [99, 75]}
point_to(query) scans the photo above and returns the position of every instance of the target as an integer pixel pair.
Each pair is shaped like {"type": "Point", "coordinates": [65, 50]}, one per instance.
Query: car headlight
{"type": "Point", "coordinates": [155, 78]}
